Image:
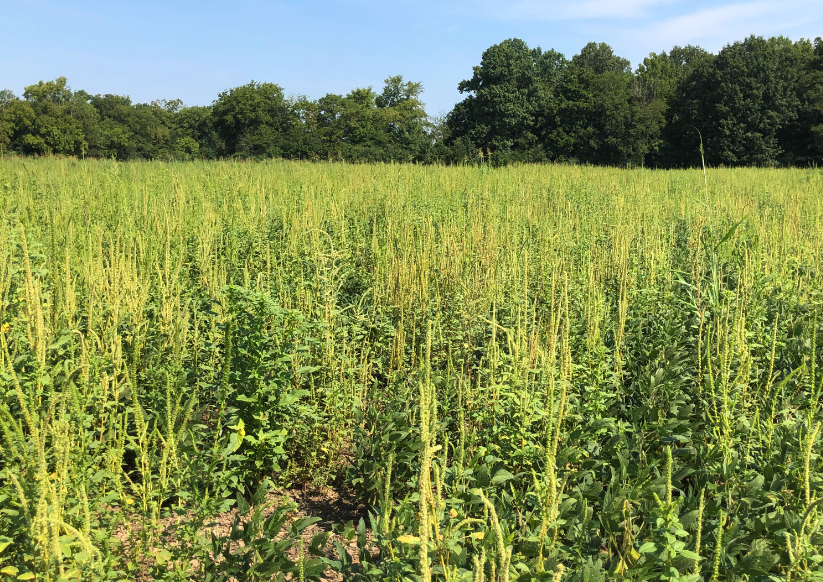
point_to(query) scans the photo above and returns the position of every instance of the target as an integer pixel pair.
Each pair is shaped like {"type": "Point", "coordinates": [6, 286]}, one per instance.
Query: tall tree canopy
{"type": "Point", "coordinates": [757, 102]}
{"type": "Point", "coordinates": [508, 97]}
{"type": "Point", "coordinates": [44, 124]}
{"type": "Point", "coordinates": [253, 119]}
{"type": "Point", "coordinates": [364, 125]}
{"type": "Point", "coordinates": [740, 101]}
{"type": "Point", "coordinates": [802, 138]}
{"type": "Point", "coordinates": [600, 118]}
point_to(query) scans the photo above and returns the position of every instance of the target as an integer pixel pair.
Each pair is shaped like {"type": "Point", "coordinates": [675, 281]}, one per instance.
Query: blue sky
{"type": "Point", "coordinates": [192, 50]}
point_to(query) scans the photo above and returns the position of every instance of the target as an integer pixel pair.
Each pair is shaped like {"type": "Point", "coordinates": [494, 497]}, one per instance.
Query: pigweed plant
{"type": "Point", "coordinates": [530, 373]}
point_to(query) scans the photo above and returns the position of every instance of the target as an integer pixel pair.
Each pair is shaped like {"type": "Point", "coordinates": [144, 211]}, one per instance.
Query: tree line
{"type": "Point", "coordinates": [757, 102]}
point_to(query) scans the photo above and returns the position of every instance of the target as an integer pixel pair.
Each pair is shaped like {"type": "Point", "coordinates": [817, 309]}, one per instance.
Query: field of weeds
{"type": "Point", "coordinates": [529, 373]}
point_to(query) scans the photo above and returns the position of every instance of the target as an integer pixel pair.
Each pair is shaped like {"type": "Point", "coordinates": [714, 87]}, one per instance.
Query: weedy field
{"type": "Point", "coordinates": [528, 373]}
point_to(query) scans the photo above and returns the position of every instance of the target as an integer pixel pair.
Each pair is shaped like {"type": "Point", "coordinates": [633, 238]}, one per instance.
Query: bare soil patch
{"type": "Point", "coordinates": [333, 505]}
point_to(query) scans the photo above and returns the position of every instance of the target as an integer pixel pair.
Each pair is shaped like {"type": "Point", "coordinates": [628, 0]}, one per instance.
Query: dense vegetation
{"type": "Point", "coordinates": [530, 373]}
{"type": "Point", "coordinates": [758, 102]}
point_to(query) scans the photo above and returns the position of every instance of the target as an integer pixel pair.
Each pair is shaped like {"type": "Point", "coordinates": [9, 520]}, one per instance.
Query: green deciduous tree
{"type": "Point", "coordinates": [802, 138]}
{"type": "Point", "coordinates": [741, 101]}
{"type": "Point", "coordinates": [656, 81]}
{"type": "Point", "coordinates": [6, 97]}
{"type": "Point", "coordinates": [600, 119]}
{"type": "Point", "coordinates": [363, 125]}
{"type": "Point", "coordinates": [404, 118]}
{"type": "Point", "coordinates": [115, 138]}
{"type": "Point", "coordinates": [253, 119]}
{"type": "Point", "coordinates": [659, 74]}
{"type": "Point", "coordinates": [508, 99]}
{"type": "Point", "coordinates": [14, 116]}
{"type": "Point", "coordinates": [138, 131]}
{"type": "Point", "coordinates": [195, 129]}
{"type": "Point", "coordinates": [758, 102]}
{"type": "Point", "coordinates": [53, 129]}
{"type": "Point", "coordinates": [313, 134]}
{"type": "Point", "coordinates": [362, 133]}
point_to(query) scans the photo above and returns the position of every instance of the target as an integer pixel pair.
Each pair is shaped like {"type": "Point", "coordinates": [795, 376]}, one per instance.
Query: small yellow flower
{"type": "Point", "coordinates": [452, 513]}
{"type": "Point", "coordinates": [129, 501]}
{"type": "Point", "coordinates": [479, 535]}
{"type": "Point", "coordinates": [407, 539]}
{"type": "Point", "coordinates": [4, 328]}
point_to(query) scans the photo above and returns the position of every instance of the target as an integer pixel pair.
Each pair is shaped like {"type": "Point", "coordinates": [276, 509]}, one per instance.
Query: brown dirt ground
{"type": "Point", "coordinates": [331, 505]}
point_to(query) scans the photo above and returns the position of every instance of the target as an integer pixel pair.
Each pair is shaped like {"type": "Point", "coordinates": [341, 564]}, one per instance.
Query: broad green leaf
{"type": "Point", "coordinates": [647, 548]}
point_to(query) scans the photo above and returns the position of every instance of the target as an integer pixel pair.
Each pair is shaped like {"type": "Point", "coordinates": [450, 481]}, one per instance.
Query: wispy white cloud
{"type": "Point", "coordinates": [734, 21]}
{"type": "Point", "coordinates": [714, 27]}
{"type": "Point", "coordinates": [710, 21]}
{"type": "Point", "coordinates": [552, 10]}
{"type": "Point", "coordinates": [636, 27]}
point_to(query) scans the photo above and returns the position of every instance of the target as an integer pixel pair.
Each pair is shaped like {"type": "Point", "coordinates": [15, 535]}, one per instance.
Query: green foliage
{"type": "Point", "coordinates": [259, 395]}
{"type": "Point", "coordinates": [127, 131]}
{"type": "Point", "coordinates": [531, 105]}
{"type": "Point", "coordinates": [253, 551]}
{"type": "Point", "coordinates": [802, 139]}
{"type": "Point", "coordinates": [660, 74]}
{"type": "Point", "coordinates": [16, 117]}
{"type": "Point", "coordinates": [252, 119]}
{"type": "Point", "coordinates": [742, 101]}
{"type": "Point", "coordinates": [52, 129]}
{"type": "Point", "coordinates": [758, 102]}
{"type": "Point", "coordinates": [515, 385]}
{"type": "Point", "coordinates": [510, 94]}
{"type": "Point", "coordinates": [364, 126]}
{"type": "Point", "coordinates": [599, 118]}
{"type": "Point", "coordinates": [656, 82]}
{"type": "Point", "coordinates": [198, 137]}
